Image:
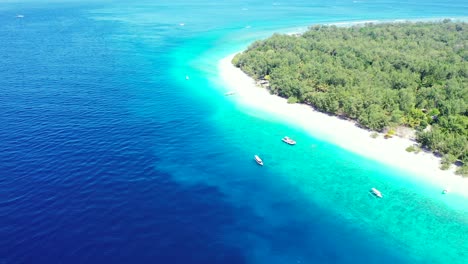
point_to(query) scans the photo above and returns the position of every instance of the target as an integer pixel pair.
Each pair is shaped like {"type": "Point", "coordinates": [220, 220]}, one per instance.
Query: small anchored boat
{"type": "Point", "coordinates": [258, 160]}
{"type": "Point", "coordinates": [376, 193]}
{"type": "Point", "coordinates": [229, 93]}
{"type": "Point", "coordinates": [289, 141]}
{"type": "Point", "coordinates": [445, 191]}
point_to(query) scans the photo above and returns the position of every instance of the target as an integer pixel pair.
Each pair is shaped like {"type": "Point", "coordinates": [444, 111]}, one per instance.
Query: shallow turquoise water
{"type": "Point", "coordinates": [110, 155]}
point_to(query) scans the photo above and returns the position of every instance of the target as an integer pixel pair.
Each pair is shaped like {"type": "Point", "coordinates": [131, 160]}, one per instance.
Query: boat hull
{"type": "Point", "coordinates": [376, 192]}
{"type": "Point", "coordinates": [258, 160]}
{"type": "Point", "coordinates": [288, 141]}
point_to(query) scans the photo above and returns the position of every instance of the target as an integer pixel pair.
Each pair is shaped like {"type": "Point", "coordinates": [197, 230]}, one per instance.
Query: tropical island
{"type": "Point", "coordinates": [383, 76]}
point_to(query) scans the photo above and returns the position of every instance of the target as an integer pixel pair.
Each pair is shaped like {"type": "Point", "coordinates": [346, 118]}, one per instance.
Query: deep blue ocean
{"type": "Point", "coordinates": [109, 155]}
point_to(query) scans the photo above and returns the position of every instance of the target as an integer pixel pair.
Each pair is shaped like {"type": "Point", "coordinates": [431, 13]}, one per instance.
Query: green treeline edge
{"type": "Point", "coordinates": [381, 75]}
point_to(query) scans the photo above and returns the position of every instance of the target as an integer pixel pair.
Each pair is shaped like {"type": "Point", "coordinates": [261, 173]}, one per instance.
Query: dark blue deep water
{"type": "Point", "coordinates": [108, 155]}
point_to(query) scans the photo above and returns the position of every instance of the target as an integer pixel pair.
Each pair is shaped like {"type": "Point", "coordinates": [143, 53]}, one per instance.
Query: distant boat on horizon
{"type": "Point", "coordinates": [258, 160]}
{"type": "Point", "coordinates": [288, 140]}
{"type": "Point", "coordinates": [376, 192]}
{"type": "Point", "coordinates": [19, 16]}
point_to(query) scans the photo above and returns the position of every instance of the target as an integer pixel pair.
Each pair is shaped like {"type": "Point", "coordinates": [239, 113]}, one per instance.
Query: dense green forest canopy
{"type": "Point", "coordinates": [381, 75]}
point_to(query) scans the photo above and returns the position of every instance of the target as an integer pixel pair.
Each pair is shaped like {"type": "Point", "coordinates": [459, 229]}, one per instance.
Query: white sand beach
{"type": "Point", "coordinates": [340, 132]}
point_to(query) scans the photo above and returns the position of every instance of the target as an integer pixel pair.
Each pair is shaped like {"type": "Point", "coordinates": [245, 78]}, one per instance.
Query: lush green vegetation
{"type": "Point", "coordinates": [382, 76]}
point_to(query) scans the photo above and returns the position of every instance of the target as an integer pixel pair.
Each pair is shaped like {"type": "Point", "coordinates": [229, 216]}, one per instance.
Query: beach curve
{"type": "Point", "coordinates": [424, 166]}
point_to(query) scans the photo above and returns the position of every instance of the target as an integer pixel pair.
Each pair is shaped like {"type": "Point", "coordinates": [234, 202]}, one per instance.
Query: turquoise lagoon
{"type": "Point", "coordinates": [111, 155]}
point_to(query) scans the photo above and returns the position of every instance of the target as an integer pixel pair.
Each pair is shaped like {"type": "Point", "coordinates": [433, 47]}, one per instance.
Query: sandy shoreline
{"type": "Point", "coordinates": [340, 132]}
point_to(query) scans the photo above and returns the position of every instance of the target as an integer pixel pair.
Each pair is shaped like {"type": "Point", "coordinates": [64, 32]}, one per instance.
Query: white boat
{"type": "Point", "coordinates": [376, 192]}
{"type": "Point", "coordinates": [19, 16]}
{"type": "Point", "coordinates": [230, 93]}
{"type": "Point", "coordinates": [289, 141]}
{"type": "Point", "coordinates": [187, 77]}
{"type": "Point", "coordinates": [258, 160]}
